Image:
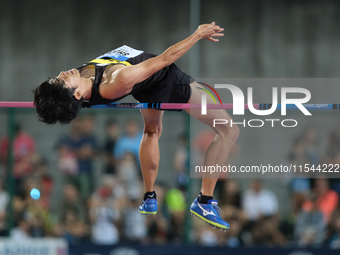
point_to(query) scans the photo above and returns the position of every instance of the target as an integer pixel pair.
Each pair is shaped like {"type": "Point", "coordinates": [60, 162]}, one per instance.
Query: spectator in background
{"type": "Point", "coordinates": [39, 219]}
{"type": "Point", "coordinates": [323, 198]}
{"type": "Point", "coordinates": [128, 173]}
{"type": "Point", "coordinates": [22, 199]}
{"type": "Point", "coordinates": [32, 211]}
{"type": "Point", "coordinates": [130, 141]}
{"type": "Point", "coordinates": [181, 162]}
{"type": "Point", "coordinates": [71, 203]}
{"type": "Point", "coordinates": [335, 239]}
{"type": "Point", "coordinates": [305, 151]}
{"type": "Point", "coordinates": [158, 224]}
{"type": "Point", "coordinates": [23, 153]}
{"type": "Point", "coordinates": [73, 230]}
{"type": "Point", "coordinates": [68, 161]}
{"type": "Point", "coordinates": [333, 144]}
{"type": "Point", "coordinates": [310, 227]}
{"type": "Point", "coordinates": [88, 153]}
{"type": "Point", "coordinates": [300, 185]}
{"type": "Point", "coordinates": [261, 208]}
{"type": "Point", "coordinates": [176, 206]}
{"type": "Point", "coordinates": [230, 196]}
{"type": "Point", "coordinates": [4, 199]}
{"type": "Point", "coordinates": [37, 228]}
{"type": "Point", "coordinates": [233, 238]}
{"type": "Point", "coordinates": [117, 193]}
{"type": "Point", "coordinates": [76, 153]}
{"type": "Point", "coordinates": [135, 224]}
{"type": "Point", "coordinates": [88, 123]}
{"type": "Point", "coordinates": [231, 205]}
{"type": "Point", "coordinates": [259, 202]}
{"type": "Point", "coordinates": [105, 206]}
{"type": "Point", "coordinates": [332, 155]}
{"type": "Point", "coordinates": [310, 138]}
{"type": "Point", "coordinates": [103, 215]}
{"type": "Point", "coordinates": [78, 233]}
{"type": "Point", "coordinates": [44, 180]}
{"type": "Point", "coordinates": [207, 236]}
{"type": "Point", "coordinates": [21, 231]}
{"type": "Point", "coordinates": [266, 232]}
{"type": "Point", "coordinates": [306, 148]}
{"type": "Point", "coordinates": [112, 133]}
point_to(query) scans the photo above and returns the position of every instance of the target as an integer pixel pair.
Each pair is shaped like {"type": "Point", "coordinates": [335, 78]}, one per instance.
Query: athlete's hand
{"type": "Point", "coordinates": [208, 31]}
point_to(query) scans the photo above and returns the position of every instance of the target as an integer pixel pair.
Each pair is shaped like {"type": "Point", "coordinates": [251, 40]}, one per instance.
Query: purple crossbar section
{"type": "Point", "coordinates": [17, 104]}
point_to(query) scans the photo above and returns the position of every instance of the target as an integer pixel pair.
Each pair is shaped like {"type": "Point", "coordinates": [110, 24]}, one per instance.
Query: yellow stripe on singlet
{"type": "Point", "coordinates": [110, 61]}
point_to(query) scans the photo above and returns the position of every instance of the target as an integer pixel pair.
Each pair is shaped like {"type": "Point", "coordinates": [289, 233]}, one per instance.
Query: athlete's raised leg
{"type": "Point", "coordinates": [226, 136]}
{"type": "Point", "coordinates": [217, 153]}
{"type": "Point", "coordinates": [149, 157]}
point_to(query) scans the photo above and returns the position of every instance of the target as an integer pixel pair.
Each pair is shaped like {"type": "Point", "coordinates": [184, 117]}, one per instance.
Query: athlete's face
{"type": "Point", "coordinates": [71, 78]}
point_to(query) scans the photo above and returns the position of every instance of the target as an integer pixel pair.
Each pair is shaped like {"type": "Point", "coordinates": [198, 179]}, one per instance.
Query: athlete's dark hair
{"type": "Point", "coordinates": [56, 103]}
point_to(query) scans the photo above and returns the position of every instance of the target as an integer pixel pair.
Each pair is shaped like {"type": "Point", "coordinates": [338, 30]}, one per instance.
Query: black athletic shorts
{"type": "Point", "coordinates": [169, 85]}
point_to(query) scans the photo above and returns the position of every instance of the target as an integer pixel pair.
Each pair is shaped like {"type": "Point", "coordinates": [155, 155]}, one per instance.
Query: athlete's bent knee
{"type": "Point", "coordinates": [229, 134]}
{"type": "Point", "coordinates": [153, 129]}
{"type": "Point", "coordinates": [235, 132]}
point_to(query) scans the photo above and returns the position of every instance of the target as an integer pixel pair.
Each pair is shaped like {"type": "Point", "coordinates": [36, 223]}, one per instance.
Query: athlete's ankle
{"type": "Point", "coordinates": [150, 195]}
{"type": "Point", "coordinates": [203, 199]}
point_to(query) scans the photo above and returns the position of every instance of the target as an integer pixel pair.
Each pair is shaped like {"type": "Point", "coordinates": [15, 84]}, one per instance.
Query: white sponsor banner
{"type": "Point", "coordinates": [33, 246]}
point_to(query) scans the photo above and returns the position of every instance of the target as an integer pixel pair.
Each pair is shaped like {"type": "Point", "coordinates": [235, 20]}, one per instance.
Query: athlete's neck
{"type": "Point", "coordinates": [88, 83]}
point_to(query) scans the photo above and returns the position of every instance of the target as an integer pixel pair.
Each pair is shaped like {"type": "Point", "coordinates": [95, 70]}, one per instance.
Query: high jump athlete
{"type": "Point", "coordinates": [149, 79]}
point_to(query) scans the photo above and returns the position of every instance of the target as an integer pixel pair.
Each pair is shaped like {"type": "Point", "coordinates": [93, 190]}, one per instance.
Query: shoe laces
{"type": "Point", "coordinates": [217, 208]}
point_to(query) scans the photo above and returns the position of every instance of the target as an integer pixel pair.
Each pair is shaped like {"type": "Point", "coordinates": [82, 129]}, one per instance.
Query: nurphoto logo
{"type": "Point", "coordinates": [239, 106]}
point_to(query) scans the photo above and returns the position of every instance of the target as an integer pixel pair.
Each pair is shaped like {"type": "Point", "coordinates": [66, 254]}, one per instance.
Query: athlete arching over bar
{"type": "Point", "coordinates": [149, 79]}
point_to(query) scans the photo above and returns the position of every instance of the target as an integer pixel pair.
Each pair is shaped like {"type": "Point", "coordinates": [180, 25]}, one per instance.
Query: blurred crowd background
{"type": "Point", "coordinates": [107, 212]}
{"type": "Point", "coordinates": [88, 172]}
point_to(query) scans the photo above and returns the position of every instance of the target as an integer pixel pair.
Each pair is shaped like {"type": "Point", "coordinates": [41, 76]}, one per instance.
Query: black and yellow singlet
{"type": "Point", "coordinates": [168, 85]}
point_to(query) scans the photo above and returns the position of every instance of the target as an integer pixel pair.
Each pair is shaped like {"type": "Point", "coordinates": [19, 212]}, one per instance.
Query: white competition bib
{"type": "Point", "coordinates": [122, 53]}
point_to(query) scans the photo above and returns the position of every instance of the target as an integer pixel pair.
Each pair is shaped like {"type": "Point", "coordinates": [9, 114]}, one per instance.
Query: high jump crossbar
{"type": "Point", "coordinates": [178, 106]}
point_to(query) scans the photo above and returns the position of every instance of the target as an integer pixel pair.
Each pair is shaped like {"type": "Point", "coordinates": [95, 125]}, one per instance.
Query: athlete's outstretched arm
{"type": "Point", "coordinates": [125, 78]}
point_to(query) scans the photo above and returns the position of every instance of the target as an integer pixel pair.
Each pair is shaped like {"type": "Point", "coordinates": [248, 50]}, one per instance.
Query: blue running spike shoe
{"type": "Point", "coordinates": [210, 213]}
{"type": "Point", "coordinates": [149, 206]}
